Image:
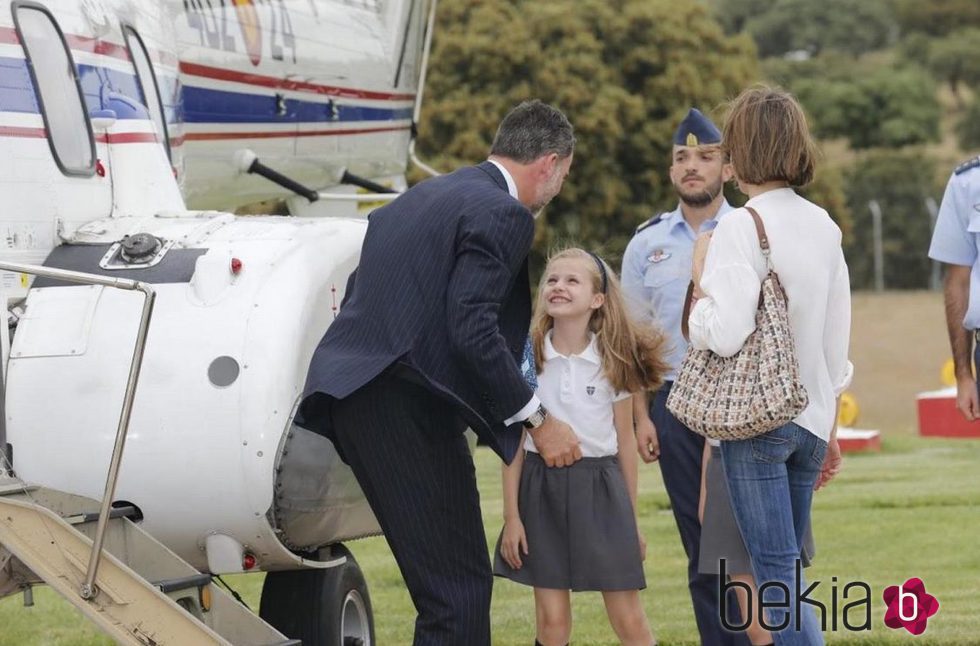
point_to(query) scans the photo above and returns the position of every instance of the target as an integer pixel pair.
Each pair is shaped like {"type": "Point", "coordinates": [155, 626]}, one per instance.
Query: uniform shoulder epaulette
{"type": "Point", "coordinates": [649, 223]}
{"type": "Point", "coordinates": [967, 165]}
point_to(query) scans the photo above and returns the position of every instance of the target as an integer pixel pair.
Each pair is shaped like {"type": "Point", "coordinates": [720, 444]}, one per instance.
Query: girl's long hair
{"type": "Point", "coordinates": [632, 353]}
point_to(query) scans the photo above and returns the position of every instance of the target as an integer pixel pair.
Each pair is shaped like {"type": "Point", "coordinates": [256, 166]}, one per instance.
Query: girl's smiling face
{"type": "Point", "coordinates": [569, 288]}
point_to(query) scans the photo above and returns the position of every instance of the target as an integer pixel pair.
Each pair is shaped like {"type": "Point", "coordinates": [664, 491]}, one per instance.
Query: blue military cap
{"type": "Point", "coordinates": [696, 130]}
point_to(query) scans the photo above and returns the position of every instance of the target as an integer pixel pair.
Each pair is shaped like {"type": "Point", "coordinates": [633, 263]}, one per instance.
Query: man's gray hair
{"type": "Point", "coordinates": [531, 130]}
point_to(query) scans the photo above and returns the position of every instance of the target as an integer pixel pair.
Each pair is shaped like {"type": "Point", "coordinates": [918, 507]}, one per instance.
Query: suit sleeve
{"type": "Point", "coordinates": [491, 247]}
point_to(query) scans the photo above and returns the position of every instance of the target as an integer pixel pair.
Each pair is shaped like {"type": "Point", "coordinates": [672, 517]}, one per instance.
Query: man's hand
{"type": "Point", "coordinates": [513, 543]}
{"type": "Point", "coordinates": [966, 398]}
{"type": "Point", "coordinates": [556, 442]}
{"type": "Point", "coordinates": [831, 464]}
{"type": "Point", "coordinates": [647, 444]}
{"type": "Point", "coordinates": [700, 253]}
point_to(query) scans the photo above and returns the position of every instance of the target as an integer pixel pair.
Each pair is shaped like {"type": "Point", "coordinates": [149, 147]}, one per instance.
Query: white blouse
{"type": "Point", "coordinates": [806, 254]}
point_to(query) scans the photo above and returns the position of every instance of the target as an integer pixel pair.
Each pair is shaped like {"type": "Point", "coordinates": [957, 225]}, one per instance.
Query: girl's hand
{"type": "Point", "coordinates": [513, 541]}
{"type": "Point", "coordinates": [643, 544]}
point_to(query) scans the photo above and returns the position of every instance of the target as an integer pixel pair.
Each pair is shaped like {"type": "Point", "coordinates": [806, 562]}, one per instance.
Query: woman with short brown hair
{"type": "Point", "coordinates": [771, 477]}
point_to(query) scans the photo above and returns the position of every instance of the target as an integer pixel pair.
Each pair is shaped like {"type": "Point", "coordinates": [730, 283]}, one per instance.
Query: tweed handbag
{"type": "Point", "coordinates": [753, 392]}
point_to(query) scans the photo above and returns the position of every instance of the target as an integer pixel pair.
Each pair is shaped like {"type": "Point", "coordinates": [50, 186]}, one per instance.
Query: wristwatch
{"type": "Point", "coordinates": [536, 419]}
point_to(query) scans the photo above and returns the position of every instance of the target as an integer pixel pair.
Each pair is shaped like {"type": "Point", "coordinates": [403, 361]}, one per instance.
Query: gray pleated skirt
{"type": "Point", "coordinates": [580, 526]}
{"type": "Point", "coordinates": [720, 538]}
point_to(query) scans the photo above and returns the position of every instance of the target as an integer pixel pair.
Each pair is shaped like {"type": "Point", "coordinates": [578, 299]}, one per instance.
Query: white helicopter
{"type": "Point", "coordinates": [123, 123]}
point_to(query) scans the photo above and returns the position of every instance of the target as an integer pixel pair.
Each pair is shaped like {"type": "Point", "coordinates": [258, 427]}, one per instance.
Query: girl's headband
{"type": "Point", "coordinates": [602, 271]}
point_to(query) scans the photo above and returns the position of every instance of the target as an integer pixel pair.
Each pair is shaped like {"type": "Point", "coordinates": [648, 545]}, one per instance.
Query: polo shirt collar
{"type": "Point", "coordinates": [590, 353]}
{"type": "Point", "coordinates": [676, 219]}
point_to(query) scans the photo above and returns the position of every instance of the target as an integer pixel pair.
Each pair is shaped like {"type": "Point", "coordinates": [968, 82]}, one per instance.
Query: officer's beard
{"type": "Point", "coordinates": [700, 198]}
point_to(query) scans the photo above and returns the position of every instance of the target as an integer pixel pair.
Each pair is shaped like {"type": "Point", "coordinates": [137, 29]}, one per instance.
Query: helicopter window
{"type": "Point", "coordinates": [56, 87]}
{"type": "Point", "coordinates": [148, 83]}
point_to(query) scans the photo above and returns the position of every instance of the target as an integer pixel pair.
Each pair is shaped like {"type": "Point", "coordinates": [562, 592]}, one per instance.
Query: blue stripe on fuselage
{"type": "Point", "coordinates": [204, 105]}
{"type": "Point", "coordinates": [196, 105]}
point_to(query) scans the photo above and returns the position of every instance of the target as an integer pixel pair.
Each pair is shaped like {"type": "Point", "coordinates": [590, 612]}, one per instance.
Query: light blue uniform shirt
{"type": "Point", "coordinates": [656, 272]}
{"type": "Point", "coordinates": [956, 239]}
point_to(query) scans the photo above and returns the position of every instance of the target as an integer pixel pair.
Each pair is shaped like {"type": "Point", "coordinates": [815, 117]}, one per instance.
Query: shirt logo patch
{"type": "Point", "coordinates": [658, 255]}
{"type": "Point", "coordinates": [590, 390]}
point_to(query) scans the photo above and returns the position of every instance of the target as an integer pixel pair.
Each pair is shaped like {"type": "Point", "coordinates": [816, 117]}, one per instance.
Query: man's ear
{"type": "Point", "coordinates": [547, 164]}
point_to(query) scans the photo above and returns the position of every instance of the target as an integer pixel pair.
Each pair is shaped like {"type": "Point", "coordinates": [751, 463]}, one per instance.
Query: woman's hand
{"type": "Point", "coordinates": [831, 464]}
{"type": "Point", "coordinates": [513, 541]}
{"type": "Point", "coordinates": [700, 253]}
{"type": "Point", "coordinates": [643, 543]}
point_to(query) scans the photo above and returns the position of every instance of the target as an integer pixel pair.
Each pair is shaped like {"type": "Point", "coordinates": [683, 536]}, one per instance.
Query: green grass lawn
{"type": "Point", "coordinates": [911, 510]}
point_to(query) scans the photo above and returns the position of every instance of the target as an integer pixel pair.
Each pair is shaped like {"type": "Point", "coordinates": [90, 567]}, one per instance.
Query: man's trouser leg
{"type": "Point", "coordinates": [680, 463]}
{"type": "Point", "coordinates": [406, 448]}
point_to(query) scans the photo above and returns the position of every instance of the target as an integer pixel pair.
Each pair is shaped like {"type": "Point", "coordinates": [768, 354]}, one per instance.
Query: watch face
{"type": "Point", "coordinates": [536, 418]}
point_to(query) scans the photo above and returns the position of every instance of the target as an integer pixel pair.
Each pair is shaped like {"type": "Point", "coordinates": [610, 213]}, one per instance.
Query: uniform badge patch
{"type": "Point", "coordinates": [590, 390]}
{"type": "Point", "coordinates": [658, 255]}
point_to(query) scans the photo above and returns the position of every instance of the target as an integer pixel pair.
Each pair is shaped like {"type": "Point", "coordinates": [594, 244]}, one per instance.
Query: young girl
{"type": "Point", "coordinates": [574, 528]}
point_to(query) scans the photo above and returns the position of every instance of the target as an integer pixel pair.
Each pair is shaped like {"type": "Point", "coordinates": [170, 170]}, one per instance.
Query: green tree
{"type": "Point", "coordinates": [877, 107]}
{"type": "Point", "coordinates": [936, 17]}
{"type": "Point", "coordinates": [900, 181]}
{"type": "Point", "coordinates": [782, 26]}
{"type": "Point", "coordinates": [968, 127]}
{"type": "Point", "coordinates": [956, 59]}
{"type": "Point", "coordinates": [624, 71]}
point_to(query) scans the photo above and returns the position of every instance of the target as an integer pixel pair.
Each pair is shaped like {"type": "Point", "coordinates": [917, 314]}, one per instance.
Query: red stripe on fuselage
{"type": "Point", "coordinates": [96, 46]}
{"type": "Point", "coordinates": [8, 36]}
{"type": "Point", "coordinates": [211, 136]}
{"type": "Point", "coordinates": [149, 137]}
{"type": "Point", "coordinates": [221, 74]}
{"type": "Point", "coordinates": [115, 138]}
{"type": "Point", "coordinates": [15, 131]}
{"type": "Point", "coordinates": [128, 138]}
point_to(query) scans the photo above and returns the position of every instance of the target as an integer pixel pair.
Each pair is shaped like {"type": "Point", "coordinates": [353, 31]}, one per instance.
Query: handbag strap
{"type": "Point", "coordinates": [688, 304]}
{"type": "Point", "coordinates": [760, 230]}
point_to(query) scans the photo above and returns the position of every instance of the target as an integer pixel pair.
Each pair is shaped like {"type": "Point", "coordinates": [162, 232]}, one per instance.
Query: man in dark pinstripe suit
{"type": "Point", "coordinates": [428, 342]}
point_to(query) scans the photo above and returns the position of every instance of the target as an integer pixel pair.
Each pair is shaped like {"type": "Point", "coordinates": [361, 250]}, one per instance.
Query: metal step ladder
{"type": "Point", "coordinates": [145, 594]}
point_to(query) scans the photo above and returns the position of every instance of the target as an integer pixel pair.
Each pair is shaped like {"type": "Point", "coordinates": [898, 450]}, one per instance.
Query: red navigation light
{"type": "Point", "coordinates": [248, 562]}
{"type": "Point", "coordinates": [236, 266]}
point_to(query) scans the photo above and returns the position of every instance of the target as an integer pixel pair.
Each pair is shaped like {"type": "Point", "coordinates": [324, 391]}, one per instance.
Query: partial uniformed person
{"type": "Point", "coordinates": [956, 242]}
{"type": "Point", "coordinates": [656, 272]}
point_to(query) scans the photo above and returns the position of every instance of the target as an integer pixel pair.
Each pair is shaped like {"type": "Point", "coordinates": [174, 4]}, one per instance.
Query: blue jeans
{"type": "Point", "coordinates": [771, 480]}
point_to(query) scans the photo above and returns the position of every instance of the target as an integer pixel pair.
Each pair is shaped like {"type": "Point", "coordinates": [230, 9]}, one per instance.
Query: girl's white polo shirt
{"type": "Point", "coordinates": [575, 390]}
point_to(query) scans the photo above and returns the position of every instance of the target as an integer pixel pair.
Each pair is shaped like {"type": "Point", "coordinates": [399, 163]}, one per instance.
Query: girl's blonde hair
{"type": "Point", "coordinates": [631, 353]}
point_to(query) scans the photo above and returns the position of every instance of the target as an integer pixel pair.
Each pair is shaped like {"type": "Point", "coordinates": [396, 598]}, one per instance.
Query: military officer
{"type": "Point", "coordinates": [955, 242]}
{"type": "Point", "coordinates": [656, 272]}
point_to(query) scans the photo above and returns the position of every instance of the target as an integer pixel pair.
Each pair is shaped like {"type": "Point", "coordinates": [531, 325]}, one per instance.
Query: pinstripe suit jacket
{"type": "Point", "coordinates": [442, 289]}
